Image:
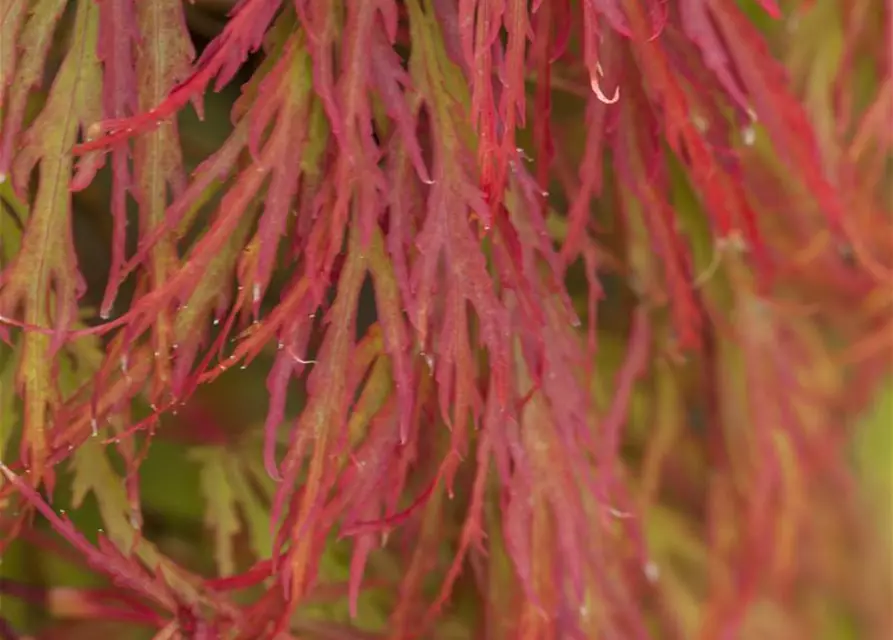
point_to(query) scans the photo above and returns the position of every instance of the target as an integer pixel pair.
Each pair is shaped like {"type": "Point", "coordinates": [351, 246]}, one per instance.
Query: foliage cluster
{"type": "Point", "coordinates": [498, 319]}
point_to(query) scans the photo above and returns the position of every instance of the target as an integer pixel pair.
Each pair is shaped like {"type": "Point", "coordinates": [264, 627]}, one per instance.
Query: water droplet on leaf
{"type": "Point", "coordinates": [652, 571]}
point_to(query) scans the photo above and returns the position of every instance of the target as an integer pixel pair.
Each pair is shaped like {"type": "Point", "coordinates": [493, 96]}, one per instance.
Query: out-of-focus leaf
{"type": "Point", "coordinates": [221, 512]}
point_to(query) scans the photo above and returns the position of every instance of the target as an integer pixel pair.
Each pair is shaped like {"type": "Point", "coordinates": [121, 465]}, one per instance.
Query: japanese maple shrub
{"type": "Point", "coordinates": [566, 310]}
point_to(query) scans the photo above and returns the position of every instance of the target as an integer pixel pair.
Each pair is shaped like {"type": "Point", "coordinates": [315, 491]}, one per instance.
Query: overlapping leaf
{"type": "Point", "coordinates": [481, 454]}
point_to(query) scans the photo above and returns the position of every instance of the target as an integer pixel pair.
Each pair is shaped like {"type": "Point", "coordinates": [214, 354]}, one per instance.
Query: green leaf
{"type": "Point", "coordinates": [10, 20]}
{"type": "Point", "coordinates": [874, 459]}
{"type": "Point", "coordinates": [8, 409]}
{"type": "Point", "coordinates": [256, 515]}
{"type": "Point", "coordinates": [32, 47]}
{"type": "Point", "coordinates": [93, 473]}
{"type": "Point", "coordinates": [221, 514]}
{"type": "Point", "coordinates": [227, 486]}
{"type": "Point", "coordinates": [44, 275]}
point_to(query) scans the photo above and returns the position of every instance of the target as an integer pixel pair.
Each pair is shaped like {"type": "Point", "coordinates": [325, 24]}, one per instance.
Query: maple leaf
{"type": "Point", "coordinates": [43, 278]}
{"type": "Point", "coordinates": [162, 61]}
{"type": "Point", "coordinates": [10, 22]}
{"type": "Point", "coordinates": [93, 473]}
{"type": "Point", "coordinates": [226, 486]}
{"type": "Point", "coordinates": [222, 513]}
{"type": "Point", "coordinates": [106, 558]}
{"type": "Point", "coordinates": [117, 36]}
{"type": "Point", "coordinates": [549, 298]}
{"type": "Point", "coordinates": [36, 33]}
{"type": "Point", "coordinates": [8, 358]}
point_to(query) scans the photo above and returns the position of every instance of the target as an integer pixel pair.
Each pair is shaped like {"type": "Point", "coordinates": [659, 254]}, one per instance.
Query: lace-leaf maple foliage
{"type": "Point", "coordinates": [565, 311]}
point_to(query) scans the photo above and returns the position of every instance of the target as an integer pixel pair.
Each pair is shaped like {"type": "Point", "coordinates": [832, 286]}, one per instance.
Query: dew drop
{"type": "Point", "coordinates": [749, 135]}
{"type": "Point", "coordinates": [124, 363]}
{"type": "Point", "coordinates": [105, 314]}
{"type": "Point", "coordinates": [429, 181]}
{"type": "Point", "coordinates": [2, 178]}
{"type": "Point", "coordinates": [216, 321]}
{"type": "Point", "coordinates": [94, 427]}
{"type": "Point", "coordinates": [652, 571]}
{"type": "Point", "coordinates": [255, 293]}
